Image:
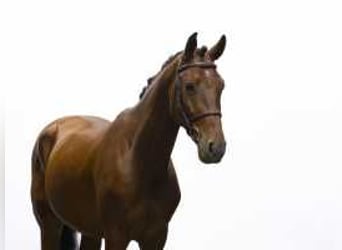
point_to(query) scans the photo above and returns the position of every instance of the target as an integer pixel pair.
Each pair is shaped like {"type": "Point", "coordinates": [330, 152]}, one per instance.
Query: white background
{"type": "Point", "coordinates": [280, 185]}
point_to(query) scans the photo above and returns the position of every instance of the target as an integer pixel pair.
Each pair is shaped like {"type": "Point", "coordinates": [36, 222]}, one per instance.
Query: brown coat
{"type": "Point", "coordinates": [115, 180]}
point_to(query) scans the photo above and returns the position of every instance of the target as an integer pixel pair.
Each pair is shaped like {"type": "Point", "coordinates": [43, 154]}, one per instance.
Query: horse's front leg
{"type": "Point", "coordinates": [116, 239]}
{"type": "Point", "coordinates": [89, 243]}
{"type": "Point", "coordinates": [155, 239]}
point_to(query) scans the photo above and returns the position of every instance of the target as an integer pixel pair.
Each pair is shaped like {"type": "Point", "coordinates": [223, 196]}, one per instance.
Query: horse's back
{"type": "Point", "coordinates": [70, 125]}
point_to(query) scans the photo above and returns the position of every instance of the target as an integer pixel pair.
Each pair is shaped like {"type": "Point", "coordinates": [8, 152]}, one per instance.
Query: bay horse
{"type": "Point", "coordinates": [115, 180]}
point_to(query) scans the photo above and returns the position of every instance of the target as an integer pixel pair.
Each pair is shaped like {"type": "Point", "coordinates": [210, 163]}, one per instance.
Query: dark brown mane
{"type": "Point", "coordinates": [150, 80]}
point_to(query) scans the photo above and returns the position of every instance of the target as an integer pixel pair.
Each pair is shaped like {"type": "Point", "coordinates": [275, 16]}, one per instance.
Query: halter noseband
{"type": "Point", "coordinates": [189, 119]}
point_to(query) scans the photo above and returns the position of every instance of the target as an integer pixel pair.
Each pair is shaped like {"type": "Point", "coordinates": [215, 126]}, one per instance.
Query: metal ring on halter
{"type": "Point", "coordinates": [188, 119]}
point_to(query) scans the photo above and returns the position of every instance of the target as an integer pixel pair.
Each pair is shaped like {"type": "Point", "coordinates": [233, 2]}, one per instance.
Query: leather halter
{"type": "Point", "coordinates": [189, 119]}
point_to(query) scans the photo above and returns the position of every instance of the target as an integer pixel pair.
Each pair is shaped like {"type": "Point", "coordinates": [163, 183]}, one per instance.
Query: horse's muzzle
{"type": "Point", "coordinates": [211, 151]}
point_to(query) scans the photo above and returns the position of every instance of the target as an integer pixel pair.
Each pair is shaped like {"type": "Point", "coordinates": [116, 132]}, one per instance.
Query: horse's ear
{"type": "Point", "coordinates": [217, 50]}
{"type": "Point", "coordinates": [190, 48]}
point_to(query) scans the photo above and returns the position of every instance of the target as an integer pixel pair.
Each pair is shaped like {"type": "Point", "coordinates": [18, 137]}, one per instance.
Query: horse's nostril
{"type": "Point", "coordinates": [211, 147]}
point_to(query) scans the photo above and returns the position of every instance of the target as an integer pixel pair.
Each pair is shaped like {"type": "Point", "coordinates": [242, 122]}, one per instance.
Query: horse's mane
{"type": "Point", "coordinates": [150, 80]}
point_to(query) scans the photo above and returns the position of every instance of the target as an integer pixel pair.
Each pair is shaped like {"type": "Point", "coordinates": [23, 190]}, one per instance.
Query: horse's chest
{"type": "Point", "coordinates": [148, 215]}
{"type": "Point", "coordinates": [149, 209]}
{"type": "Point", "coordinates": [152, 212]}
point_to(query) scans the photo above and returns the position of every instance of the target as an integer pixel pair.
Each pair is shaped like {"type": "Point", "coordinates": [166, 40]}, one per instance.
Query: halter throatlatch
{"type": "Point", "coordinates": [189, 119]}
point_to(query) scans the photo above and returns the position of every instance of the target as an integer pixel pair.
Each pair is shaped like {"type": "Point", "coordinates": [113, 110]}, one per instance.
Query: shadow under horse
{"type": "Point", "coordinates": [115, 180]}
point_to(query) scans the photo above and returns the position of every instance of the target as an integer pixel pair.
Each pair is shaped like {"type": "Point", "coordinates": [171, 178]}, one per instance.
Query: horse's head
{"type": "Point", "coordinates": [196, 101]}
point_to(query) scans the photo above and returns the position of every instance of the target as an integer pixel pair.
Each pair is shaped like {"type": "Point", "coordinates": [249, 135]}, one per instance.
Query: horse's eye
{"type": "Point", "coordinates": [190, 88]}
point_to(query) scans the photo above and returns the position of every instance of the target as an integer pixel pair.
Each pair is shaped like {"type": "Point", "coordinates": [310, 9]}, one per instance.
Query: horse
{"type": "Point", "coordinates": [116, 180]}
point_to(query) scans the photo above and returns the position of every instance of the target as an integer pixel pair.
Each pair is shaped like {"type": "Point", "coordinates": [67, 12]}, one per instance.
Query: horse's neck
{"type": "Point", "coordinates": [157, 130]}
